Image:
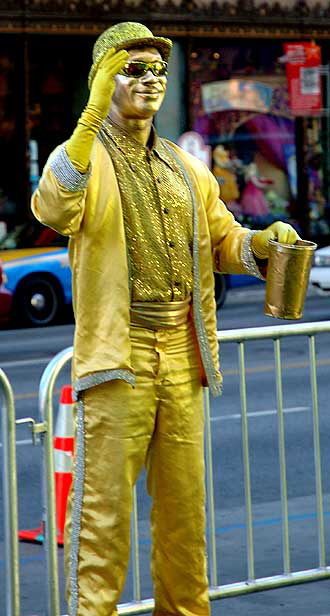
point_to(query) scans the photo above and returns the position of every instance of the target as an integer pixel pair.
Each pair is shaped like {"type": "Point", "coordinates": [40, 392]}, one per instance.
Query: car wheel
{"type": "Point", "coordinates": [220, 289]}
{"type": "Point", "coordinates": [38, 300]}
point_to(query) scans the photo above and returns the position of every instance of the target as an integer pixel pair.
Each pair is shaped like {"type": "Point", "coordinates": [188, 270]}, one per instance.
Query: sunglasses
{"type": "Point", "coordinates": [140, 68]}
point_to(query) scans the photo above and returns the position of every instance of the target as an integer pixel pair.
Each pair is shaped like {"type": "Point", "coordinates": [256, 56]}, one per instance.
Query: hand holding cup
{"type": "Point", "coordinates": [279, 231]}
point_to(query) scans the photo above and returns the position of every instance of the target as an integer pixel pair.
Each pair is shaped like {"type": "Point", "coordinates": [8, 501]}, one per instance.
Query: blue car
{"type": "Point", "coordinates": [5, 298]}
{"type": "Point", "coordinates": [40, 282]}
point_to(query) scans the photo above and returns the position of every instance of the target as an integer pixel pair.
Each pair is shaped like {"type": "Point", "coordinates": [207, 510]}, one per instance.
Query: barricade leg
{"type": "Point", "coordinates": [10, 497]}
{"type": "Point", "coordinates": [46, 415]}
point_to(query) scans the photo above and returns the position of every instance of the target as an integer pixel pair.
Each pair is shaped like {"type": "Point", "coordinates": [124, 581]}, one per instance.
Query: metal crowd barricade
{"type": "Point", "coordinates": [46, 389]}
{"type": "Point", "coordinates": [10, 496]}
{"type": "Point", "coordinates": [241, 336]}
{"type": "Point", "coordinates": [138, 605]}
{"type": "Point", "coordinates": [10, 508]}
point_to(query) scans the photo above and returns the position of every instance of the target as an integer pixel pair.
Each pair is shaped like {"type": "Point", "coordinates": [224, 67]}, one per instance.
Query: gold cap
{"type": "Point", "coordinates": [127, 35]}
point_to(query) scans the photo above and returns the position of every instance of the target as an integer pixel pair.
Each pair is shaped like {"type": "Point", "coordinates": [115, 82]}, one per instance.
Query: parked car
{"type": "Point", "coordinates": [40, 282]}
{"type": "Point", "coordinates": [320, 272]}
{"type": "Point", "coordinates": [5, 298]}
{"type": "Point", "coordinates": [35, 262]}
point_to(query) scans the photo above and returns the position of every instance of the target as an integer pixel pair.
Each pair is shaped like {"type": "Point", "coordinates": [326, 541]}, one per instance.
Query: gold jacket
{"type": "Point", "coordinates": [89, 210]}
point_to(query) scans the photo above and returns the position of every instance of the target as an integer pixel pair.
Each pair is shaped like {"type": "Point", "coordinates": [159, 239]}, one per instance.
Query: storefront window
{"type": "Point", "coordinates": [8, 140]}
{"type": "Point", "coordinates": [240, 107]}
{"type": "Point", "coordinates": [316, 188]}
{"type": "Point", "coordinates": [43, 89]}
{"type": "Point", "coordinates": [57, 67]}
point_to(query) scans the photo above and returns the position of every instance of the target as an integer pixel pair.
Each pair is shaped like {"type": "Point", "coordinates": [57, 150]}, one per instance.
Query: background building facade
{"type": "Point", "coordinates": [227, 83]}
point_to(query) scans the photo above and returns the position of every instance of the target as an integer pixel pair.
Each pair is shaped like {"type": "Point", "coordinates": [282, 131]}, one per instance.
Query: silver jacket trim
{"type": "Point", "coordinates": [103, 376]}
{"type": "Point", "coordinates": [67, 174]}
{"type": "Point", "coordinates": [204, 347]}
{"type": "Point", "coordinates": [248, 259]}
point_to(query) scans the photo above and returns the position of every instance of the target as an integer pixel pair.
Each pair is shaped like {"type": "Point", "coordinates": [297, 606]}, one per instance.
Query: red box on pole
{"type": "Point", "coordinates": [303, 62]}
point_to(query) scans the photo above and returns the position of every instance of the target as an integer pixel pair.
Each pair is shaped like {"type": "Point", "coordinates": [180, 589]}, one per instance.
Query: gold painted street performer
{"type": "Point", "coordinates": [147, 229]}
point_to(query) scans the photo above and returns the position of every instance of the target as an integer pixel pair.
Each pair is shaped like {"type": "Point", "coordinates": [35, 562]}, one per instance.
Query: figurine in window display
{"type": "Point", "coordinates": [253, 201]}
{"type": "Point", "coordinates": [315, 196]}
{"type": "Point", "coordinates": [146, 229]}
{"type": "Point", "coordinates": [225, 172]}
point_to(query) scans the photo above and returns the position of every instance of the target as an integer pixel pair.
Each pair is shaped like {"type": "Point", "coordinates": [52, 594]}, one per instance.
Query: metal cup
{"type": "Point", "coordinates": [287, 278]}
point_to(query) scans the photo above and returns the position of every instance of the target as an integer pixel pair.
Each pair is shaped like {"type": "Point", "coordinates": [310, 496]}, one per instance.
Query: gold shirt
{"type": "Point", "coordinates": [157, 212]}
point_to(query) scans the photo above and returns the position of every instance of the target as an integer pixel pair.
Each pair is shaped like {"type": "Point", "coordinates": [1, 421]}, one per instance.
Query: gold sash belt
{"type": "Point", "coordinates": [154, 315]}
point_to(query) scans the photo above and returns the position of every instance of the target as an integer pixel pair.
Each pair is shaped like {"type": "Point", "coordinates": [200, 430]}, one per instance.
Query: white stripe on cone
{"type": "Point", "coordinates": [64, 424]}
{"type": "Point", "coordinates": [62, 461]}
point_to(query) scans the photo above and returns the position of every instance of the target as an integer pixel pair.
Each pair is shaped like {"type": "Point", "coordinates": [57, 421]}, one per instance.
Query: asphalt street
{"type": "Point", "coordinates": [25, 353]}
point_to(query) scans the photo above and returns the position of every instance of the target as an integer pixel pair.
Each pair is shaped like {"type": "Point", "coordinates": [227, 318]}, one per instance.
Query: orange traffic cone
{"type": "Point", "coordinates": [63, 457]}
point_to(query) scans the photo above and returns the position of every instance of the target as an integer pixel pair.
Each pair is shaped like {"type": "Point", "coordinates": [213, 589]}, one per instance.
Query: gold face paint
{"type": "Point", "coordinates": [139, 98]}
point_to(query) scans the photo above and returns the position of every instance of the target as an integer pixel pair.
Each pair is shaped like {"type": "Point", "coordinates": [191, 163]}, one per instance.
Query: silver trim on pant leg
{"type": "Point", "coordinates": [78, 491]}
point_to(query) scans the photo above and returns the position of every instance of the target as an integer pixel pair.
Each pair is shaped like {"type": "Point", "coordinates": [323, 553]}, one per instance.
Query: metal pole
{"type": "Point", "coordinates": [281, 441]}
{"type": "Point", "coordinates": [10, 498]}
{"type": "Point", "coordinates": [210, 490]}
{"type": "Point", "coordinates": [135, 549]}
{"type": "Point", "coordinates": [246, 463]}
{"type": "Point", "coordinates": [317, 452]}
{"type": "Point", "coordinates": [275, 331]}
{"type": "Point", "coordinates": [267, 583]}
{"type": "Point", "coordinates": [46, 388]}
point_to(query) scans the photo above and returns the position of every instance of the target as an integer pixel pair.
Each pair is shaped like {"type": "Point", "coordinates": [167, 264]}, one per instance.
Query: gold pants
{"type": "Point", "coordinates": [158, 424]}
